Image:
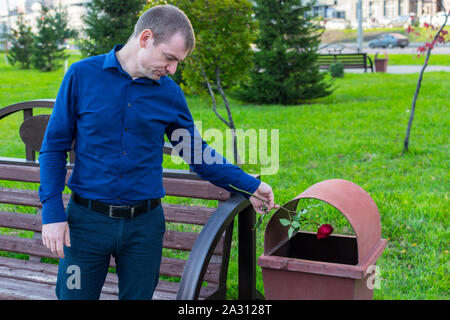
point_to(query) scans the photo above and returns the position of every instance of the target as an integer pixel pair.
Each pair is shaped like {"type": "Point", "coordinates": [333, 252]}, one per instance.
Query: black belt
{"type": "Point", "coordinates": [117, 211]}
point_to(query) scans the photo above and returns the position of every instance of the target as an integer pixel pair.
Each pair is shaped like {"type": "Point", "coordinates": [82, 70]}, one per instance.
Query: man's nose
{"type": "Point", "coordinates": [172, 67]}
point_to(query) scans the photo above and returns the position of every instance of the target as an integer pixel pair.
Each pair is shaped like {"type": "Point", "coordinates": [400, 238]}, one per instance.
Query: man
{"type": "Point", "coordinates": [117, 107]}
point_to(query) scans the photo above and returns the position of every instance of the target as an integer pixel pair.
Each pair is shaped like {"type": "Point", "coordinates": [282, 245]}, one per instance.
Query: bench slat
{"type": "Point", "coordinates": [169, 266]}
{"type": "Point", "coordinates": [185, 241]}
{"type": "Point", "coordinates": [41, 270]}
{"type": "Point", "coordinates": [173, 212]}
{"type": "Point", "coordinates": [25, 246]}
{"type": "Point", "coordinates": [26, 290]}
{"type": "Point", "coordinates": [172, 239]}
{"type": "Point", "coordinates": [22, 221]}
{"type": "Point", "coordinates": [350, 61]}
{"type": "Point", "coordinates": [24, 197]}
{"type": "Point", "coordinates": [45, 278]}
{"type": "Point", "coordinates": [194, 189]}
{"type": "Point", "coordinates": [199, 189]}
{"type": "Point", "coordinates": [187, 214]}
{"type": "Point", "coordinates": [45, 273]}
{"type": "Point", "coordinates": [174, 268]}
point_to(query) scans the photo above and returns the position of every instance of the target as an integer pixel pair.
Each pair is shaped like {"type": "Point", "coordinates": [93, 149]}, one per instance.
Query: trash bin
{"type": "Point", "coordinates": [381, 64]}
{"type": "Point", "coordinates": [336, 267]}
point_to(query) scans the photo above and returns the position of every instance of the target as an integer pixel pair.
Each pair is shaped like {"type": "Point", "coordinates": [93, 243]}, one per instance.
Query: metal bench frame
{"type": "Point", "coordinates": [349, 60]}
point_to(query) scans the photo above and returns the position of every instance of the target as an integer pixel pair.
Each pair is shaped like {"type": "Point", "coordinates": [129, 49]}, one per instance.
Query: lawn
{"type": "Point", "coordinates": [413, 59]}
{"type": "Point", "coordinates": [354, 134]}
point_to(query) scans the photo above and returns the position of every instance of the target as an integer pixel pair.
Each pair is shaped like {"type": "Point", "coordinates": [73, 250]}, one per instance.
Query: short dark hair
{"type": "Point", "coordinates": [164, 21]}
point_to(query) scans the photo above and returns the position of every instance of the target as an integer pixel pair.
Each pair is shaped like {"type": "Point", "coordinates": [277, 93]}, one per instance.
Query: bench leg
{"type": "Point", "coordinates": [247, 255]}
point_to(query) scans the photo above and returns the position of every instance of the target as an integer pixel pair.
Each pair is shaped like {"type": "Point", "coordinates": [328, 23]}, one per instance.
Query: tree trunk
{"type": "Point", "coordinates": [230, 122]}
{"type": "Point", "coordinates": [419, 83]}
{"type": "Point", "coordinates": [237, 159]}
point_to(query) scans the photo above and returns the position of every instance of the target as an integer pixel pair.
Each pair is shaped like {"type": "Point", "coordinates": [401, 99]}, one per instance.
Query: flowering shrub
{"type": "Point", "coordinates": [438, 38]}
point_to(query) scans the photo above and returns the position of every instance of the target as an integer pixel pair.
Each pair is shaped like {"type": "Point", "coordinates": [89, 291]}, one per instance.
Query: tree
{"type": "Point", "coordinates": [22, 44]}
{"type": "Point", "coordinates": [48, 44]}
{"type": "Point", "coordinates": [285, 63]}
{"type": "Point", "coordinates": [224, 30]}
{"type": "Point", "coordinates": [439, 37]}
{"type": "Point", "coordinates": [223, 56]}
{"type": "Point", "coordinates": [108, 22]}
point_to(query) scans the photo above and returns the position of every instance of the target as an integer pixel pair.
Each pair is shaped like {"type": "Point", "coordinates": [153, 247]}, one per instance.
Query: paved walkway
{"type": "Point", "coordinates": [404, 69]}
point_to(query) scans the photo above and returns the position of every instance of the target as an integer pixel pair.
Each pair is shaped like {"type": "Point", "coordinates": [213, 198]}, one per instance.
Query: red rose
{"type": "Point", "coordinates": [324, 231]}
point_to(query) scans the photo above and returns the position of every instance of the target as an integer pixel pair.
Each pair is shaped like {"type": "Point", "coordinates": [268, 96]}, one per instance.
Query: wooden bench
{"type": "Point", "coordinates": [349, 60]}
{"type": "Point", "coordinates": [202, 234]}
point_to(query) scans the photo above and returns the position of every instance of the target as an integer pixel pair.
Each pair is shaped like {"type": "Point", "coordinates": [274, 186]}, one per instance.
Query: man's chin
{"type": "Point", "coordinates": [154, 76]}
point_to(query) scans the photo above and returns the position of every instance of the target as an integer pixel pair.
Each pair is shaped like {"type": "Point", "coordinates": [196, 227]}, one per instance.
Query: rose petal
{"type": "Point", "coordinates": [324, 231]}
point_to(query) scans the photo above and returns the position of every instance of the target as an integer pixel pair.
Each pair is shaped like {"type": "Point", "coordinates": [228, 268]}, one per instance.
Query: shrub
{"type": "Point", "coordinates": [337, 69]}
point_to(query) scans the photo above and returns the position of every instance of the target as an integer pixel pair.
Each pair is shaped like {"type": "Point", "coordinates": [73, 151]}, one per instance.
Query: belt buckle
{"type": "Point", "coordinates": [112, 207]}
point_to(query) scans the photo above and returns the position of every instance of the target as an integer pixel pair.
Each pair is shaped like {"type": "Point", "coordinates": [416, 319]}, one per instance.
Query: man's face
{"type": "Point", "coordinates": [156, 61]}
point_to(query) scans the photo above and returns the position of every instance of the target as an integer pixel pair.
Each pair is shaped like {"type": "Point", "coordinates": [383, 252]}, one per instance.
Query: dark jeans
{"type": "Point", "coordinates": [135, 243]}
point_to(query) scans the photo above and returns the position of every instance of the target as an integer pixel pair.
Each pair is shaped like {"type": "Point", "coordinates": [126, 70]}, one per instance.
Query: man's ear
{"type": "Point", "coordinates": [145, 38]}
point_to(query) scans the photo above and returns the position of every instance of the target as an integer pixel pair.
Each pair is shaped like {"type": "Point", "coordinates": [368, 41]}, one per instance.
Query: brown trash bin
{"type": "Point", "coordinates": [337, 267]}
{"type": "Point", "coordinates": [381, 64]}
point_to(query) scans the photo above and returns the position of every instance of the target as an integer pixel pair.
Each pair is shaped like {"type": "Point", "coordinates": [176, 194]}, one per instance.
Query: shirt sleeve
{"type": "Point", "coordinates": [53, 154]}
{"type": "Point", "coordinates": [209, 164]}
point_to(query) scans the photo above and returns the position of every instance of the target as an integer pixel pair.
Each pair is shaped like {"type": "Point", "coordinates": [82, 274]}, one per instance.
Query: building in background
{"type": "Point", "coordinates": [30, 9]}
{"type": "Point", "coordinates": [377, 9]}
{"type": "Point", "coordinates": [385, 12]}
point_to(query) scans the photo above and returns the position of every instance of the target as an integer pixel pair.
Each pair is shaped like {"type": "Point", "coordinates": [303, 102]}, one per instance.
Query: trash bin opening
{"type": "Point", "coordinates": [341, 249]}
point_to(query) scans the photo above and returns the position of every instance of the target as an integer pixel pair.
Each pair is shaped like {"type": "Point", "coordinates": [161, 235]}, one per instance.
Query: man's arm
{"type": "Point", "coordinates": [52, 160]}
{"type": "Point", "coordinates": [219, 172]}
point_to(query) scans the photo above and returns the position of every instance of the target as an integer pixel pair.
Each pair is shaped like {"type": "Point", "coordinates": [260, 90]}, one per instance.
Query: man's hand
{"type": "Point", "coordinates": [55, 236]}
{"type": "Point", "coordinates": [265, 192]}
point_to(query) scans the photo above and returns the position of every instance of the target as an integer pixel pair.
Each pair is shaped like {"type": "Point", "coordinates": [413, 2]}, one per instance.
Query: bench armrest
{"type": "Point", "coordinates": [203, 248]}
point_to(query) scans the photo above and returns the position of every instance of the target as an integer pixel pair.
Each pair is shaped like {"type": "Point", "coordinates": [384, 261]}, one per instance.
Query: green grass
{"type": "Point", "coordinates": [354, 134]}
{"type": "Point", "coordinates": [413, 59]}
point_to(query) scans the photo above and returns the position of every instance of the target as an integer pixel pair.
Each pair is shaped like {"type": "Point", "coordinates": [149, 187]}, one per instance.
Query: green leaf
{"type": "Point", "coordinates": [290, 231]}
{"type": "Point", "coordinates": [285, 222]}
{"type": "Point", "coordinates": [295, 224]}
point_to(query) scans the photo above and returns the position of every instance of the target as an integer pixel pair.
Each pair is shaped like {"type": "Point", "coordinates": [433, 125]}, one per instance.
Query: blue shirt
{"type": "Point", "coordinates": [118, 125]}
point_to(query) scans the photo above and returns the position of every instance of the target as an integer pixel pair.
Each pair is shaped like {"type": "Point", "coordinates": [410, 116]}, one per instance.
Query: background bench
{"type": "Point", "coordinates": [349, 60]}
{"type": "Point", "coordinates": [196, 244]}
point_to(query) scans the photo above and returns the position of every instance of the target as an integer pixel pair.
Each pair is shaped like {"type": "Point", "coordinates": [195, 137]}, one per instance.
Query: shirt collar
{"type": "Point", "coordinates": [112, 62]}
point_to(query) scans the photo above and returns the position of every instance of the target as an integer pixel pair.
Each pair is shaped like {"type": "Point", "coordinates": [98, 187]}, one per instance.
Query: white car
{"type": "Point", "coordinates": [438, 19]}
{"type": "Point", "coordinates": [337, 24]}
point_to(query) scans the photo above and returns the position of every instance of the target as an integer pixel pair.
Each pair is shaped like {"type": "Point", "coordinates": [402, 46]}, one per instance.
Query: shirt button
{"type": "Point", "coordinates": [124, 153]}
{"type": "Point", "coordinates": [129, 104]}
